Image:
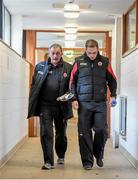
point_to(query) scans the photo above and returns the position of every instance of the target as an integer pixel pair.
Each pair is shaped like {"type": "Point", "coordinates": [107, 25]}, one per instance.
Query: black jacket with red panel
{"type": "Point", "coordinates": [90, 78]}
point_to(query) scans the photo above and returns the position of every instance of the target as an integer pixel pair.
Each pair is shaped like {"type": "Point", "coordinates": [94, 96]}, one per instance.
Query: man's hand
{"type": "Point", "coordinates": [75, 105]}
{"type": "Point", "coordinates": [113, 102]}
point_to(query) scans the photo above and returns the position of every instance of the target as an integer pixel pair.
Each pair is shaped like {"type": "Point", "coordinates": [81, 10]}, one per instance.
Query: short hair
{"type": "Point", "coordinates": [56, 45]}
{"type": "Point", "coordinates": [91, 43]}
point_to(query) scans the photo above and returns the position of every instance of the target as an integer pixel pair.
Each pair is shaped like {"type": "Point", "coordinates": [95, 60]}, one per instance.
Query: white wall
{"type": "Point", "coordinates": [116, 59]}
{"type": "Point", "coordinates": [127, 78]}
{"type": "Point", "coordinates": [129, 88]}
{"type": "Point", "coordinates": [14, 88]}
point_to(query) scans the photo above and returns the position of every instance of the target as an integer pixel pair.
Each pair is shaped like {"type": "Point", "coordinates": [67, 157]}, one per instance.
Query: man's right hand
{"type": "Point", "coordinates": [75, 105]}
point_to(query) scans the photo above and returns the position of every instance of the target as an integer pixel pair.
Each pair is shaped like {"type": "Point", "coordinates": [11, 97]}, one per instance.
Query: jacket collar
{"type": "Point", "coordinates": [86, 57]}
{"type": "Point", "coordinates": [58, 65]}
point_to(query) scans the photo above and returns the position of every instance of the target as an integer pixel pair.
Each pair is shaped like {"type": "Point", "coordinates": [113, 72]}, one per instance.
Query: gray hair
{"type": "Point", "coordinates": [55, 45]}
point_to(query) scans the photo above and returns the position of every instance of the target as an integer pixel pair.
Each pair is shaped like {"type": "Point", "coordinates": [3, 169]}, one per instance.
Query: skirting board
{"type": "Point", "coordinates": [12, 151]}
{"type": "Point", "coordinates": [130, 158]}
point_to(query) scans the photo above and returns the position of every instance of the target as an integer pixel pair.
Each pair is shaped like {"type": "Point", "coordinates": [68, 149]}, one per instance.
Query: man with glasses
{"type": "Point", "coordinates": [51, 81]}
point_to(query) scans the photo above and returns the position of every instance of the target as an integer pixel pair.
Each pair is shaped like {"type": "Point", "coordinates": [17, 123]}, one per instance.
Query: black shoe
{"type": "Point", "coordinates": [99, 162]}
{"type": "Point", "coordinates": [87, 167]}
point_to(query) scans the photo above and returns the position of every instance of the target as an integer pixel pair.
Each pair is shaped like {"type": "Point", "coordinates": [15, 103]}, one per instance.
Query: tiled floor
{"type": "Point", "coordinates": [27, 161]}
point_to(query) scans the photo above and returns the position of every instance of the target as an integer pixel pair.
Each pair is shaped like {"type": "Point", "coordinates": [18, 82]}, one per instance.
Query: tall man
{"type": "Point", "coordinates": [90, 76]}
{"type": "Point", "coordinates": [51, 80]}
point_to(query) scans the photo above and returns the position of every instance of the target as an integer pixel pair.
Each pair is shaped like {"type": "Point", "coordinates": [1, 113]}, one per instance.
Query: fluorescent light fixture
{"type": "Point", "coordinates": [70, 37]}
{"type": "Point", "coordinates": [71, 10]}
{"type": "Point", "coordinates": [69, 44]}
{"type": "Point", "coordinates": [70, 30]}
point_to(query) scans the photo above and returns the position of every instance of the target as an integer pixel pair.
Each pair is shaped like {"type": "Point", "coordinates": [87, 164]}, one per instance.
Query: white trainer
{"type": "Point", "coordinates": [60, 161]}
{"type": "Point", "coordinates": [47, 166]}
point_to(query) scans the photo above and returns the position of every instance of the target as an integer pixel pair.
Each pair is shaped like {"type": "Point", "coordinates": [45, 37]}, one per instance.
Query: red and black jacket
{"type": "Point", "coordinates": [90, 78]}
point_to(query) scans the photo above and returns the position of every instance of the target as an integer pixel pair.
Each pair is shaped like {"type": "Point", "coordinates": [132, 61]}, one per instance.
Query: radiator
{"type": "Point", "coordinates": [123, 115]}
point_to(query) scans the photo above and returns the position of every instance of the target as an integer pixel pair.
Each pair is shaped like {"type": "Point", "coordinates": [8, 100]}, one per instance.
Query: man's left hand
{"type": "Point", "coordinates": [113, 102]}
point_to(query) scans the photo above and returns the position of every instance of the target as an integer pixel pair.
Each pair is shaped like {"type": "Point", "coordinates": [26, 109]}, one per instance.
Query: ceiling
{"type": "Point", "coordinates": [48, 14]}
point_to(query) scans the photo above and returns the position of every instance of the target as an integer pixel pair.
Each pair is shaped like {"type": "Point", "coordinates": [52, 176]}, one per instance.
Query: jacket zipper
{"type": "Point", "coordinates": [92, 81]}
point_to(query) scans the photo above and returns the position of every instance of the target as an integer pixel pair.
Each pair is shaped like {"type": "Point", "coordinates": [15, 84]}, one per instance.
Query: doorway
{"type": "Point", "coordinates": [43, 39]}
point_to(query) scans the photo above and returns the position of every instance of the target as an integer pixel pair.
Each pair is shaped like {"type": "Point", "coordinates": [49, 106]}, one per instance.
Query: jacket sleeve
{"type": "Point", "coordinates": [73, 80]}
{"type": "Point", "coordinates": [111, 80]}
{"type": "Point", "coordinates": [34, 75]}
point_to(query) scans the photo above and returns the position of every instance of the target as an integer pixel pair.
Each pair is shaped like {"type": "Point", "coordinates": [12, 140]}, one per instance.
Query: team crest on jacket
{"type": "Point", "coordinates": [100, 63]}
{"type": "Point", "coordinates": [65, 75]}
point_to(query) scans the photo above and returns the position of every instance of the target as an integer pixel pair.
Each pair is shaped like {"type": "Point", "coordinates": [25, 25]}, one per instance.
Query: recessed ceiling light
{"type": "Point", "coordinates": [69, 44]}
{"type": "Point", "coordinates": [70, 37]}
{"type": "Point", "coordinates": [71, 30]}
{"type": "Point", "coordinates": [71, 10]}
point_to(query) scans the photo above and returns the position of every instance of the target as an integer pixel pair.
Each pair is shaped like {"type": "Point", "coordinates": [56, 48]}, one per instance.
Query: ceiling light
{"type": "Point", "coordinates": [71, 30]}
{"type": "Point", "coordinates": [69, 44]}
{"type": "Point", "coordinates": [70, 37]}
{"type": "Point", "coordinates": [71, 10]}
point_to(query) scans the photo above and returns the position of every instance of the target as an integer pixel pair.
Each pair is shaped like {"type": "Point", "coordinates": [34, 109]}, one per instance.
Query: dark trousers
{"type": "Point", "coordinates": [49, 115]}
{"type": "Point", "coordinates": [92, 116]}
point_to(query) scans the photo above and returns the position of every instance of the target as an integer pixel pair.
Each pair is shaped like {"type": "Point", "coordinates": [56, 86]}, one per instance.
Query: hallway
{"type": "Point", "coordinates": [27, 162]}
{"type": "Point", "coordinates": [27, 30]}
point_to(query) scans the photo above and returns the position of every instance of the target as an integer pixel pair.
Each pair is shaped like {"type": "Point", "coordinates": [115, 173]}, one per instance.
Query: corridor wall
{"type": "Point", "coordinates": [129, 88]}
{"type": "Point", "coordinates": [14, 90]}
